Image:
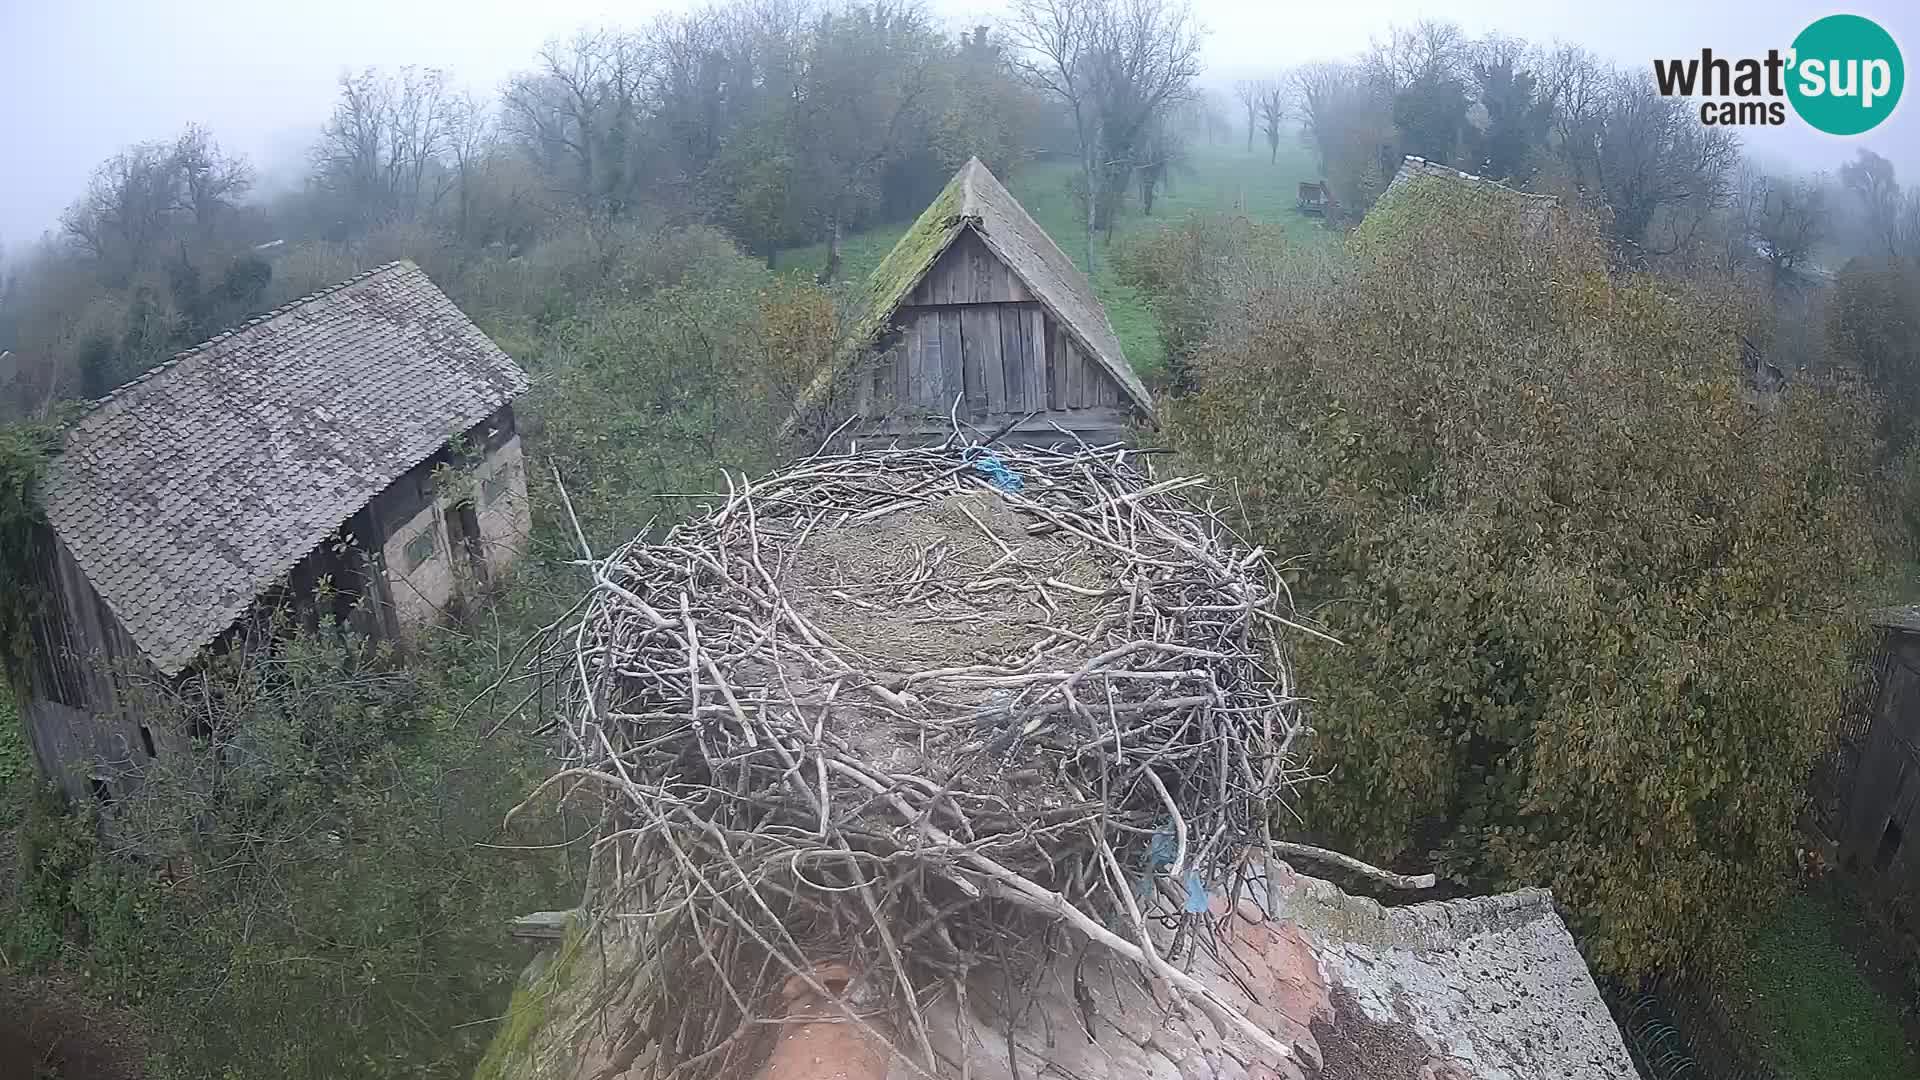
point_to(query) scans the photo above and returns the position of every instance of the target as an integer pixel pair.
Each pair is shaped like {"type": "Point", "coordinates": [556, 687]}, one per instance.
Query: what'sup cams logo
{"type": "Point", "coordinates": [1843, 75]}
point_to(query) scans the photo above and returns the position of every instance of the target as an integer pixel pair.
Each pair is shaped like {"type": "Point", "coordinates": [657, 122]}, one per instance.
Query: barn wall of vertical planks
{"type": "Point", "coordinates": [972, 330]}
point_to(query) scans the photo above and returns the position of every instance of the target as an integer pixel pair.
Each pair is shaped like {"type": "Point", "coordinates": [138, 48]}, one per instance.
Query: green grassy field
{"type": "Point", "coordinates": [1219, 178]}
{"type": "Point", "coordinates": [1807, 1006]}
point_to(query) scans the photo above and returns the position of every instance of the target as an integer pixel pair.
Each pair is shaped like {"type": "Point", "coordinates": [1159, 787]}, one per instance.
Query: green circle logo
{"type": "Point", "coordinates": [1846, 75]}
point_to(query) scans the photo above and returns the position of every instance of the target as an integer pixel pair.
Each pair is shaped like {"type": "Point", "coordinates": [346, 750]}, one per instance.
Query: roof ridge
{"type": "Point", "coordinates": [188, 353]}
{"type": "Point", "coordinates": [1427, 924]}
{"type": "Point", "coordinates": [1428, 166]}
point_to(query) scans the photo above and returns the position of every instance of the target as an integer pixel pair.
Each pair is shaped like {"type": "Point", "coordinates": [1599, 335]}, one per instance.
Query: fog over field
{"type": "Point", "coordinates": [80, 81]}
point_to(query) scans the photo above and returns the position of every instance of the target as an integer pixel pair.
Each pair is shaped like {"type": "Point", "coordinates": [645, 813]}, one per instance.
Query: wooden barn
{"type": "Point", "coordinates": [362, 437]}
{"type": "Point", "coordinates": [978, 314]}
{"type": "Point", "coordinates": [1878, 819]}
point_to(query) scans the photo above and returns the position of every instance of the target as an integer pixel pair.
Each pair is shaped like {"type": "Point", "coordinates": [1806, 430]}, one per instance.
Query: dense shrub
{"type": "Point", "coordinates": [1197, 273]}
{"type": "Point", "coordinates": [1873, 328]}
{"type": "Point", "coordinates": [653, 395]}
{"type": "Point", "coordinates": [301, 894]}
{"type": "Point", "coordinates": [1593, 597]}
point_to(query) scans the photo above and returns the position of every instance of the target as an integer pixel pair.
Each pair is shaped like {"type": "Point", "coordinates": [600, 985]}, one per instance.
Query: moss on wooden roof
{"type": "Point", "coordinates": [915, 253]}
{"type": "Point", "coordinates": [1424, 192]}
{"type": "Point", "coordinates": [975, 199]}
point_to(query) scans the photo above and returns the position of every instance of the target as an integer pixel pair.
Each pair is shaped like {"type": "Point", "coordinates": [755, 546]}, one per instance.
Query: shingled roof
{"type": "Point", "coordinates": [188, 492]}
{"type": "Point", "coordinates": [974, 199]}
{"type": "Point", "coordinates": [1418, 176]}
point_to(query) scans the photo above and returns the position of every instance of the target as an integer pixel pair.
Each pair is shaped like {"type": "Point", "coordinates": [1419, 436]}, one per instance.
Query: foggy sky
{"type": "Point", "coordinates": [81, 79]}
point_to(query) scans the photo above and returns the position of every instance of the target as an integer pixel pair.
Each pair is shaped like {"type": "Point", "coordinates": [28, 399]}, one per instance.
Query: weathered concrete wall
{"type": "Point", "coordinates": [420, 593]}
{"type": "Point", "coordinates": [500, 494]}
{"type": "Point", "coordinates": [423, 506]}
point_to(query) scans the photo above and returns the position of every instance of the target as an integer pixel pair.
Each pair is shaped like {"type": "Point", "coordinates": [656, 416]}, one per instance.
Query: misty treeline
{"type": "Point", "coordinates": [1559, 119]}
{"type": "Point", "coordinates": [780, 122]}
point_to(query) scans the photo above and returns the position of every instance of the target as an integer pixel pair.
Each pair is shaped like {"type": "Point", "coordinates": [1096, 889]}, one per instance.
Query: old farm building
{"type": "Point", "coordinates": [1872, 807]}
{"type": "Point", "coordinates": [1423, 187]}
{"type": "Point", "coordinates": [362, 436]}
{"type": "Point", "coordinates": [976, 304]}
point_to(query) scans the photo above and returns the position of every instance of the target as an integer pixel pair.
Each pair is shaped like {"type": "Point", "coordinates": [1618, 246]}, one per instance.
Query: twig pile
{"type": "Point", "coordinates": [802, 797]}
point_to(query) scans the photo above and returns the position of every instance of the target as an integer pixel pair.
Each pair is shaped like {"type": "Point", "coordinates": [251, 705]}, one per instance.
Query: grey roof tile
{"type": "Point", "coordinates": [187, 492]}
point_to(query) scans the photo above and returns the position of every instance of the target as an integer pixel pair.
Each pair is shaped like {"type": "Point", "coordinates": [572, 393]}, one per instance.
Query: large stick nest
{"type": "Point", "coordinates": [873, 722]}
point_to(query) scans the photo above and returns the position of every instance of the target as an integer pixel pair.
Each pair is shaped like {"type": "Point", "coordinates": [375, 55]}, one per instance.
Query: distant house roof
{"type": "Point", "coordinates": [975, 200]}
{"type": "Point", "coordinates": [188, 492]}
{"type": "Point", "coordinates": [1417, 174]}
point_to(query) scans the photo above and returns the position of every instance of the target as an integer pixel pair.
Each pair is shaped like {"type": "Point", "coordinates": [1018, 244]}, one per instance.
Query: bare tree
{"type": "Point", "coordinates": [211, 182]}
{"type": "Point", "coordinates": [1793, 220]}
{"type": "Point", "coordinates": [384, 150]}
{"type": "Point", "coordinates": [470, 138]}
{"type": "Point", "coordinates": [1116, 65]}
{"type": "Point", "coordinates": [143, 200]}
{"type": "Point", "coordinates": [577, 116]}
{"type": "Point", "coordinates": [1347, 119]}
{"type": "Point", "coordinates": [1271, 102]}
{"type": "Point", "coordinates": [1645, 157]}
{"type": "Point", "coordinates": [122, 220]}
{"type": "Point", "coordinates": [1427, 51]}
{"type": "Point", "coordinates": [1247, 93]}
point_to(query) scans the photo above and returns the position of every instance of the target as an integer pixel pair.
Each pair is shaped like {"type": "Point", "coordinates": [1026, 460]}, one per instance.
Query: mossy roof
{"type": "Point", "coordinates": [974, 199]}
{"type": "Point", "coordinates": [1423, 191]}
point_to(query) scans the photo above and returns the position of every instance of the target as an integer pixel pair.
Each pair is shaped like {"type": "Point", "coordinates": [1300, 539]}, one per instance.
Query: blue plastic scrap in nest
{"type": "Point", "coordinates": [989, 465]}
{"type": "Point", "coordinates": [1160, 856]}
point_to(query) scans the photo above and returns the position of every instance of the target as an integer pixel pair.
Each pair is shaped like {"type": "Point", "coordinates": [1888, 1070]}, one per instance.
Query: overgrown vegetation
{"type": "Point", "coordinates": [306, 892]}
{"type": "Point", "coordinates": [23, 454]}
{"type": "Point", "coordinates": [1594, 601]}
{"type": "Point", "coordinates": [1593, 585]}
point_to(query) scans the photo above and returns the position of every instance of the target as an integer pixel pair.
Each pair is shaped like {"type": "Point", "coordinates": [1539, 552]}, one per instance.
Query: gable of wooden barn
{"type": "Point", "coordinates": [977, 315]}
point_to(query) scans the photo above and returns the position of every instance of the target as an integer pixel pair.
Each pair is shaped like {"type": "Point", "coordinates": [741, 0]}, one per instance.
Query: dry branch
{"type": "Point", "coordinates": [874, 714]}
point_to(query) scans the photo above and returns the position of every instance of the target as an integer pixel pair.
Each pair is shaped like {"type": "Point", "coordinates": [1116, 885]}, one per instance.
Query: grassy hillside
{"type": "Point", "coordinates": [1219, 178]}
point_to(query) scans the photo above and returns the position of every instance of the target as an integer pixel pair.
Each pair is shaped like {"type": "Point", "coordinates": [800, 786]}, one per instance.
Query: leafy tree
{"type": "Point", "coordinates": [869, 81]}
{"type": "Point", "coordinates": [1193, 273]}
{"type": "Point", "coordinates": [1519, 112]}
{"type": "Point", "coordinates": [1873, 329]}
{"type": "Point", "coordinates": [1592, 600]}
{"type": "Point", "coordinates": [1349, 123]}
{"type": "Point", "coordinates": [1431, 116]}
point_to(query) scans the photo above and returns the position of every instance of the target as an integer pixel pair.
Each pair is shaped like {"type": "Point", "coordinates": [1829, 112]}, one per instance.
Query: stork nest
{"type": "Point", "coordinates": [873, 721]}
